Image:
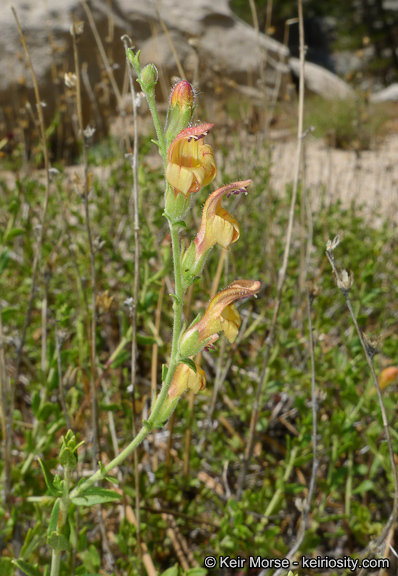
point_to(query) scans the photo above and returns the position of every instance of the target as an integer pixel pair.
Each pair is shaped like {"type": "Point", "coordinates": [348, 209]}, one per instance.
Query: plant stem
{"type": "Point", "coordinates": [147, 427]}
{"type": "Point", "coordinates": [63, 515]}
{"type": "Point", "coordinates": [158, 127]}
{"type": "Point", "coordinates": [86, 189]}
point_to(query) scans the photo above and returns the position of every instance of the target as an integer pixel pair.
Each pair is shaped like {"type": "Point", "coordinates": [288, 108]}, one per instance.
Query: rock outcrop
{"type": "Point", "coordinates": [206, 35]}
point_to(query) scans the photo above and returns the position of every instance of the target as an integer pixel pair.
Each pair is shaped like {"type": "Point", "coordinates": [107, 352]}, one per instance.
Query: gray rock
{"type": "Point", "coordinates": [389, 94]}
{"type": "Point", "coordinates": [205, 34]}
{"type": "Point", "coordinates": [320, 81]}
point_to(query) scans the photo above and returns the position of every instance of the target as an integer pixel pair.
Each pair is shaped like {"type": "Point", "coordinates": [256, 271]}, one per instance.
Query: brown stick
{"type": "Point", "coordinates": [134, 216]}
{"type": "Point", "coordinates": [86, 185]}
{"type": "Point", "coordinates": [37, 256]}
{"type": "Point", "coordinates": [271, 338]}
{"type": "Point", "coordinates": [344, 283]}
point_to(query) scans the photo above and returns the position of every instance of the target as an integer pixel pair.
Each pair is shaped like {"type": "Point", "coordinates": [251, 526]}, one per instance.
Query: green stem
{"type": "Point", "coordinates": [56, 555]}
{"type": "Point", "coordinates": [158, 127]}
{"type": "Point", "coordinates": [55, 563]}
{"type": "Point", "coordinates": [177, 306]}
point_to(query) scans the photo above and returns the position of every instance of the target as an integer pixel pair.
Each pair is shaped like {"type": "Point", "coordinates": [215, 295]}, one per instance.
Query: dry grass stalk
{"type": "Point", "coordinates": [344, 282]}
{"type": "Point", "coordinates": [282, 277]}
{"type": "Point", "coordinates": [134, 217]}
{"type": "Point", "coordinates": [170, 41]}
{"type": "Point", "coordinates": [311, 293]}
{"type": "Point", "coordinates": [41, 228]}
{"type": "Point", "coordinates": [6, 420]}
{"type": "Point", "coordinates": [86, 190]}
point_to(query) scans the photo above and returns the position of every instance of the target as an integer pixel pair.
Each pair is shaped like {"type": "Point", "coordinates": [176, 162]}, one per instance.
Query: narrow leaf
{"type": "Point", "coordinates": [189, 363]}
{"type": "Point", "coordinates": [93, 496]}
{"type": "Point", "coordinates": [26, 568]}
{"type": "Point", "coordinates": [52, 527]}
{"type": "Point", "coordinates": [49, 479]}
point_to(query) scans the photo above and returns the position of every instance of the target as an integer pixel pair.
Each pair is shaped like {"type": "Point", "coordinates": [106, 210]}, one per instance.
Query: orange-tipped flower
{"type": "Point", "coordinates": [184, 378]}
{"type": "Point", "coordinates": [221, 315]}
{"type": "Point", "coordinates": [388, 376]}
{"type": "Point", "coordinates": [191, 163]}
{"type": "Point", "coordinates": [218, 226]}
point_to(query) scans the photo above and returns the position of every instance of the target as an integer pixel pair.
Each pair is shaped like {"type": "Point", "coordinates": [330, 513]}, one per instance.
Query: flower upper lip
{"type": "Point", "coordinates": [218, 226]}
{"type": "Point", "coordinates": [221, 315]}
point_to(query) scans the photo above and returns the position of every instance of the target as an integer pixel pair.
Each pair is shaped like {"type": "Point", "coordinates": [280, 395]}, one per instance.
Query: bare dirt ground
{"type": "Point", "coordinates": [369, 178]}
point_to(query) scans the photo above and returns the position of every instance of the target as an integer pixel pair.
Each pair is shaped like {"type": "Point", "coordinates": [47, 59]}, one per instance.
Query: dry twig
{"type": "Point", "coordinates": [282, 276]}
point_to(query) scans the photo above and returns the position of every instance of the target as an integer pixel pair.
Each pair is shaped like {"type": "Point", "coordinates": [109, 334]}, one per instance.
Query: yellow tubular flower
{"type": "Point", "coordinates": [218, 226]}
{"type": "Point", "coordinates": [184, 378]}
{"type": "Point", "coordinates": [191, 163]}
{"type": "Point", "coordinates": [221, 315]}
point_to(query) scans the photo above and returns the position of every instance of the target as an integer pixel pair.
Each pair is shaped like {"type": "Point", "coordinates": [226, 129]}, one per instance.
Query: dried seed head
{"type": "Point", "coordinates": [332, 244]}
{"type": "Point", "coordinates": [70, 79]}
{"type": "Point", "coordinates": [345, 280]}
{"type": "Point", "coordinates": [313, 289]}
{"type": "Point", "coordinates": [89, 132]}
{"type": "Point", "coordinates": [372, 342]}
{"type": "Point", "coordinates": [77, 28]}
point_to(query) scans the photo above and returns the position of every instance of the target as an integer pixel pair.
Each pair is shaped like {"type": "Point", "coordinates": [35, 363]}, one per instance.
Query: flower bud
{"type": "Point", "coordinates": [183, 96]}
{"type": "Point", "coordinates": [149, 76]}
{"type": "Point", "coordinates": [181, 108]}
{"type": "Point", "coordinates": [388, 376]}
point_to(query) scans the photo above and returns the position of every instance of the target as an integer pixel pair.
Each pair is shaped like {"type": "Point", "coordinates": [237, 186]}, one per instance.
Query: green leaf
{"type": "Point", "coordinates": [32, 540]}
{"type": "Point", "coordinates": [57, 542]}
{"type": "Point", "coordinates": [45, 411]}
{"type": "Point", "coordinates": [52, 527]}
{"type": "Point", "coordinates": [112, 479]}
{"type": "Point", "coordinates": [164, 372]}
{"type": "Point", "coordinates": [13, 233]}
{"type": "Point", "coordinates": [93, 496]}
{"type": "Point", "coordinates": [49, 479]}
{"type": "Point", "coordinates": [26, 568]}
{"type": "Point", "coordinates": [120, 359]}
{"type": "Point", "coordinates": [174, 297]}
{"type": "Point", "coordinates": [173, 571]}
{"type": "Point", "coordinates": [197, 571]}
{"type": "Point", "coordinates": [180, 223]}
{"type": "Point", "coordinates": [6, 568]}
{"type": "Point", "coordinates": [364, 486]}
{"type": "Point", "coordinates": [67, 459]}
{"type": "Point", "coordinates": [188, 362]}
{"type": "Point", "coordinates": [4, 257]}
{"type": "Point", "coordinates": [8, 312]}
{"type": "Point", "coordinates": [145, 340]}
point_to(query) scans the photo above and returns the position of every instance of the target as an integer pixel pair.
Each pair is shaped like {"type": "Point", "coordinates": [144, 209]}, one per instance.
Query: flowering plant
{"type": "Point", "coordinates": [189, 166]}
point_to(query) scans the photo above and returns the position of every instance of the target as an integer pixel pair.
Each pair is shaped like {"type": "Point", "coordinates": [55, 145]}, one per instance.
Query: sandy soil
{"type": "Point", "coordinates": [369, 178]}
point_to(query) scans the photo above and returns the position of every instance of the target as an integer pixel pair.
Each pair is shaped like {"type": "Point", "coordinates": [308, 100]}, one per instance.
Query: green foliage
{"type": "Point", "coordinates": [353, 486]}
{"type": "Point", "coordinates": [347, 124]}
{"type": "Point", "coordinates": [94, 496]}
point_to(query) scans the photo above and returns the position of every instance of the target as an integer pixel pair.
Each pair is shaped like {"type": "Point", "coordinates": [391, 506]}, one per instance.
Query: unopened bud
{"type": "Point", "coordinates": [149, 76]}
{"type": "Point", "coordinates": [181, 108]}
{"type": "Point", "coordinates": [182, 95]}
